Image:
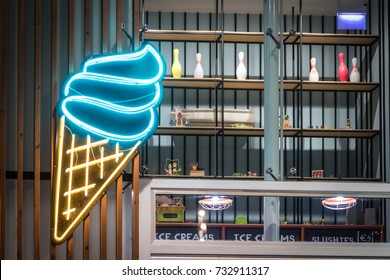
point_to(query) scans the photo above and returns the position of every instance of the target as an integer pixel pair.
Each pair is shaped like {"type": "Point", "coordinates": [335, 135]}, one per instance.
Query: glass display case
{"type": "Point", "coordinates": [225, 218]}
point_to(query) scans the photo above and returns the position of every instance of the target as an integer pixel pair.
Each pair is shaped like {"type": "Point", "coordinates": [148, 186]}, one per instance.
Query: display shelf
{"type": "Point", "coordinates": [334, 39]}
{"type": "Point", "coordinates": [339, 86]}
{"type": "Point", "coordinates": [182, 35]}
{"type": "Point", "coordinates": [258, 37]}
{"type": "Point", "coordinates": [253, 84]}
{"type": "Point", "coordinates": [256, 84]}
{"type": "Point", "coordinates": [340, 133]}
{"type": "Point", "coordinates": [204, 83]}
{"type": "Point", "coordinates": [259, 132]}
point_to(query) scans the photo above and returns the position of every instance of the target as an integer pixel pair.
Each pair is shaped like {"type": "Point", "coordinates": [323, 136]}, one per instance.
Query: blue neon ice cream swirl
{"type": "Point", "coordinates": [116, 96]}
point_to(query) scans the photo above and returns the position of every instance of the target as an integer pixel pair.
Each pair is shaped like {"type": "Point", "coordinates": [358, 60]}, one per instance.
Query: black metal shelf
{"type": "Point", "coordinates": [257, 84]}
{"type": "Point", "coordinates": [259, 132]}
{"type": "Point", "coordinates": [258, 37]}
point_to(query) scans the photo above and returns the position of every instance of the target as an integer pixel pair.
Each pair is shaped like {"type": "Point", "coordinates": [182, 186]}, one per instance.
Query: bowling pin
{"type": "Point", "coordinates": [198, 72]}
{"type": "Point", "coordinates": [176, 66]}
{"type": "Point", "coordinates": [313, 75]}
{"type": "Point", "coordinates": [343, 70]}
{"type": "Point", "coordinates": [355, 75]}
{"type": "Point", "coordinates": [241, 69]}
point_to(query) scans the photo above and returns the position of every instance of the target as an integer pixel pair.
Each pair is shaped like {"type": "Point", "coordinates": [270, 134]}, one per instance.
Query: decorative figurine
{"type": "Point", "coordinates": [317, 173]}
{"type": "Point", "coordinates": [176, 66]}
{"type": "Point", "coordinates": [241, 69]}
{"type": "Point", "coordinates": [194, 171]}
{"type": "Point", "coordinates": [198, 72]}
{"type": "Point", "coordinates": [179, 119]}
{"type": "Point", "coordinates": [313, 75]}
{"type": "Point", "coordinates": [286, 121]}
{"type": "Point", "coordinates": [343, 70]}
{"type": "Point", "coordinates": [172, 167]}
{"type": "Point", "coordinates": [355, 75]}
{"type": "Point", "coordinates": [348, 124]}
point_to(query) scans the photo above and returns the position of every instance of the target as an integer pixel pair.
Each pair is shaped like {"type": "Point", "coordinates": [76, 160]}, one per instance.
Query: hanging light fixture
{"type": "Point", "coordinates": [339, 203]}
{"type": "Point", "coordinates": [217, 202]}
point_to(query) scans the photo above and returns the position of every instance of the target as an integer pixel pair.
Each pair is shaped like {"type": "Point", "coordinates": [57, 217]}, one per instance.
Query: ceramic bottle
{"type": "Point", "coordinates": [198, 72]}
{"type": "Point", "coordinates": [313, 75]}
{"type": "Point", "coordinates": [355, 75]}
{"type": "Point", "coordinates": [241, 69]}
{"type": "Point", "coordinates": [343, 70]}
{"type": "Point", "coordinates": [176, 66]}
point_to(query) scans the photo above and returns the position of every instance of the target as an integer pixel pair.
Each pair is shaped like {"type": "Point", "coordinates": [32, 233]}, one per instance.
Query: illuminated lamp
{"type": "Point", "coordinates": [339, 203]}
{"type": "Point", "coordinates": [351, 17]}
{"type": "Point", "coordinates": [215, 202]}
{"type": "Point", "coordinates": [106, 112]}
{"type": "Point", "coordinates": [351, 21]}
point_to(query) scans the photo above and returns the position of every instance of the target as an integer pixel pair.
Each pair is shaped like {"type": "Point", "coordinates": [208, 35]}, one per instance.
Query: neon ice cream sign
{"type": "Point", "coordinates": [106, 112]}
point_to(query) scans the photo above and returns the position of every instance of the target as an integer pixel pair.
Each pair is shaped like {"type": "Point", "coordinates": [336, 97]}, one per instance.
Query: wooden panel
{"type": "Point", "coordinates": [135, 171]}
{"type": "Point", "coordinates": [87, 24]}
{"type": "Point", "coordinates": [69, 248]}
{"type": "Point", "coordinates": [339, 86]}
{"type": "Point", "coordinates": [71, 36]}
{"type": "Point", "coordinates": [87, 53]}
{"type": "Point", "coordinates": [87, 224]}
{"type": "Point", "coordinates": [3, 125]}
{"type": "Point", "coordinates": [205, 83]}
{"type": "Point", "coordinates": [105, 26]}
{"type": "Point", "coordinates": [53, 23]}
{"type": "Point", "coordinates": [103, 202]}
{"type": "Point", "coordinates": [103, 228]}
{"type": "Point", "coordinates": [119, 20]}
{"type": "Point", "coordinates": [70, 70]}
{"type": "Point", "coordinates": [37, 131]}
{"type": "Point", "coordinates": [182, 35]}
{"type": "Point", "coordinates": [119, 218]}
{"type": "Point", "coordinates": [20, 138]}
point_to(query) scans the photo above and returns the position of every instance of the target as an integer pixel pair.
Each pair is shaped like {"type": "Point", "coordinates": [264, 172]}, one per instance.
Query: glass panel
{"type": "Point", "coordinates": [302, 219]}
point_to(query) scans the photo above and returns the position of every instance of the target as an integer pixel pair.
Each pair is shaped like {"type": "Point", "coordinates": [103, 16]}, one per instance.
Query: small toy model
{"type": "Point", "coordinates": [348, 124]}
{"type": "Point", "coordinates": [317, 173]}
{"type": "Point", "coordinates": [172, 167]}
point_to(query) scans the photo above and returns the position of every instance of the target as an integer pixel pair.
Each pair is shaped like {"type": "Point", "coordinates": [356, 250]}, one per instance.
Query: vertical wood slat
{"type": "Point", "coordinates": [119, 20]}
{"type": "Point", "coordinates": [103, 203]}
{"type": "Point", "coordinates": [37, 130]}
{"type": "Point", "coordinates": [135, 182]}
{"type": "Point", "coordinates": [87, 53]}
{"type": "Point", "coordinates": [136, 24]}
{"type": "Point", "coordinates": [119, 218]}
{"type": "Point", "coordinates": [70, 242]}
{"type": "Point", "coordinates": [3, 126]}
{"type": "Point", "coordinates": [53, 24]}
{"type": "Point", "coordinates": [20, 106]}
{"type": "Point", "coordinates": [119, 193]}
{"type": "Point", "coordinates": [87, 24]}
{"type": "Point", "coordinates": [103, 228]}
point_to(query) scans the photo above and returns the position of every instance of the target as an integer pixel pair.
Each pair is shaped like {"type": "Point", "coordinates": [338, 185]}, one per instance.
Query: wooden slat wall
{"type": "Point", "coordinates": [20, 124]}
{"type": "Point", "coordinates": [3, 124]}
{"type": "Point", "coordinates": [69, 244]}
{"type": "Point", "coordinates": [37, 131]}
{"type": "Point", "coordinates": [41, 48]}
{"type": "Point", "coordinates": [53, 22]}
{"type": "Point", "coordinates": [87, 53]}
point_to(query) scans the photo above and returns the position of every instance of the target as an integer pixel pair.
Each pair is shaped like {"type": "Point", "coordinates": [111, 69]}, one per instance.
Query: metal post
{"type": "Point", "coordinates": [271, 118]}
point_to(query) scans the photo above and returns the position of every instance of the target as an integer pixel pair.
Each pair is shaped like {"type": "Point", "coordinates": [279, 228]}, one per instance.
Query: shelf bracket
{"type": "Point", "coordinates": [291, 33]}
{"type": "Point", "coordinates": [269, 33]}
{"type": "Point", "coordinates": [270, 172]}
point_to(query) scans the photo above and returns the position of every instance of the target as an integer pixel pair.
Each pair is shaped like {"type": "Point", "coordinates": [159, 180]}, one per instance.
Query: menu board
{"type": "Point", "coordinates": [342, 235]}
{"type": "Point", "coordinates": [290, 233]}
